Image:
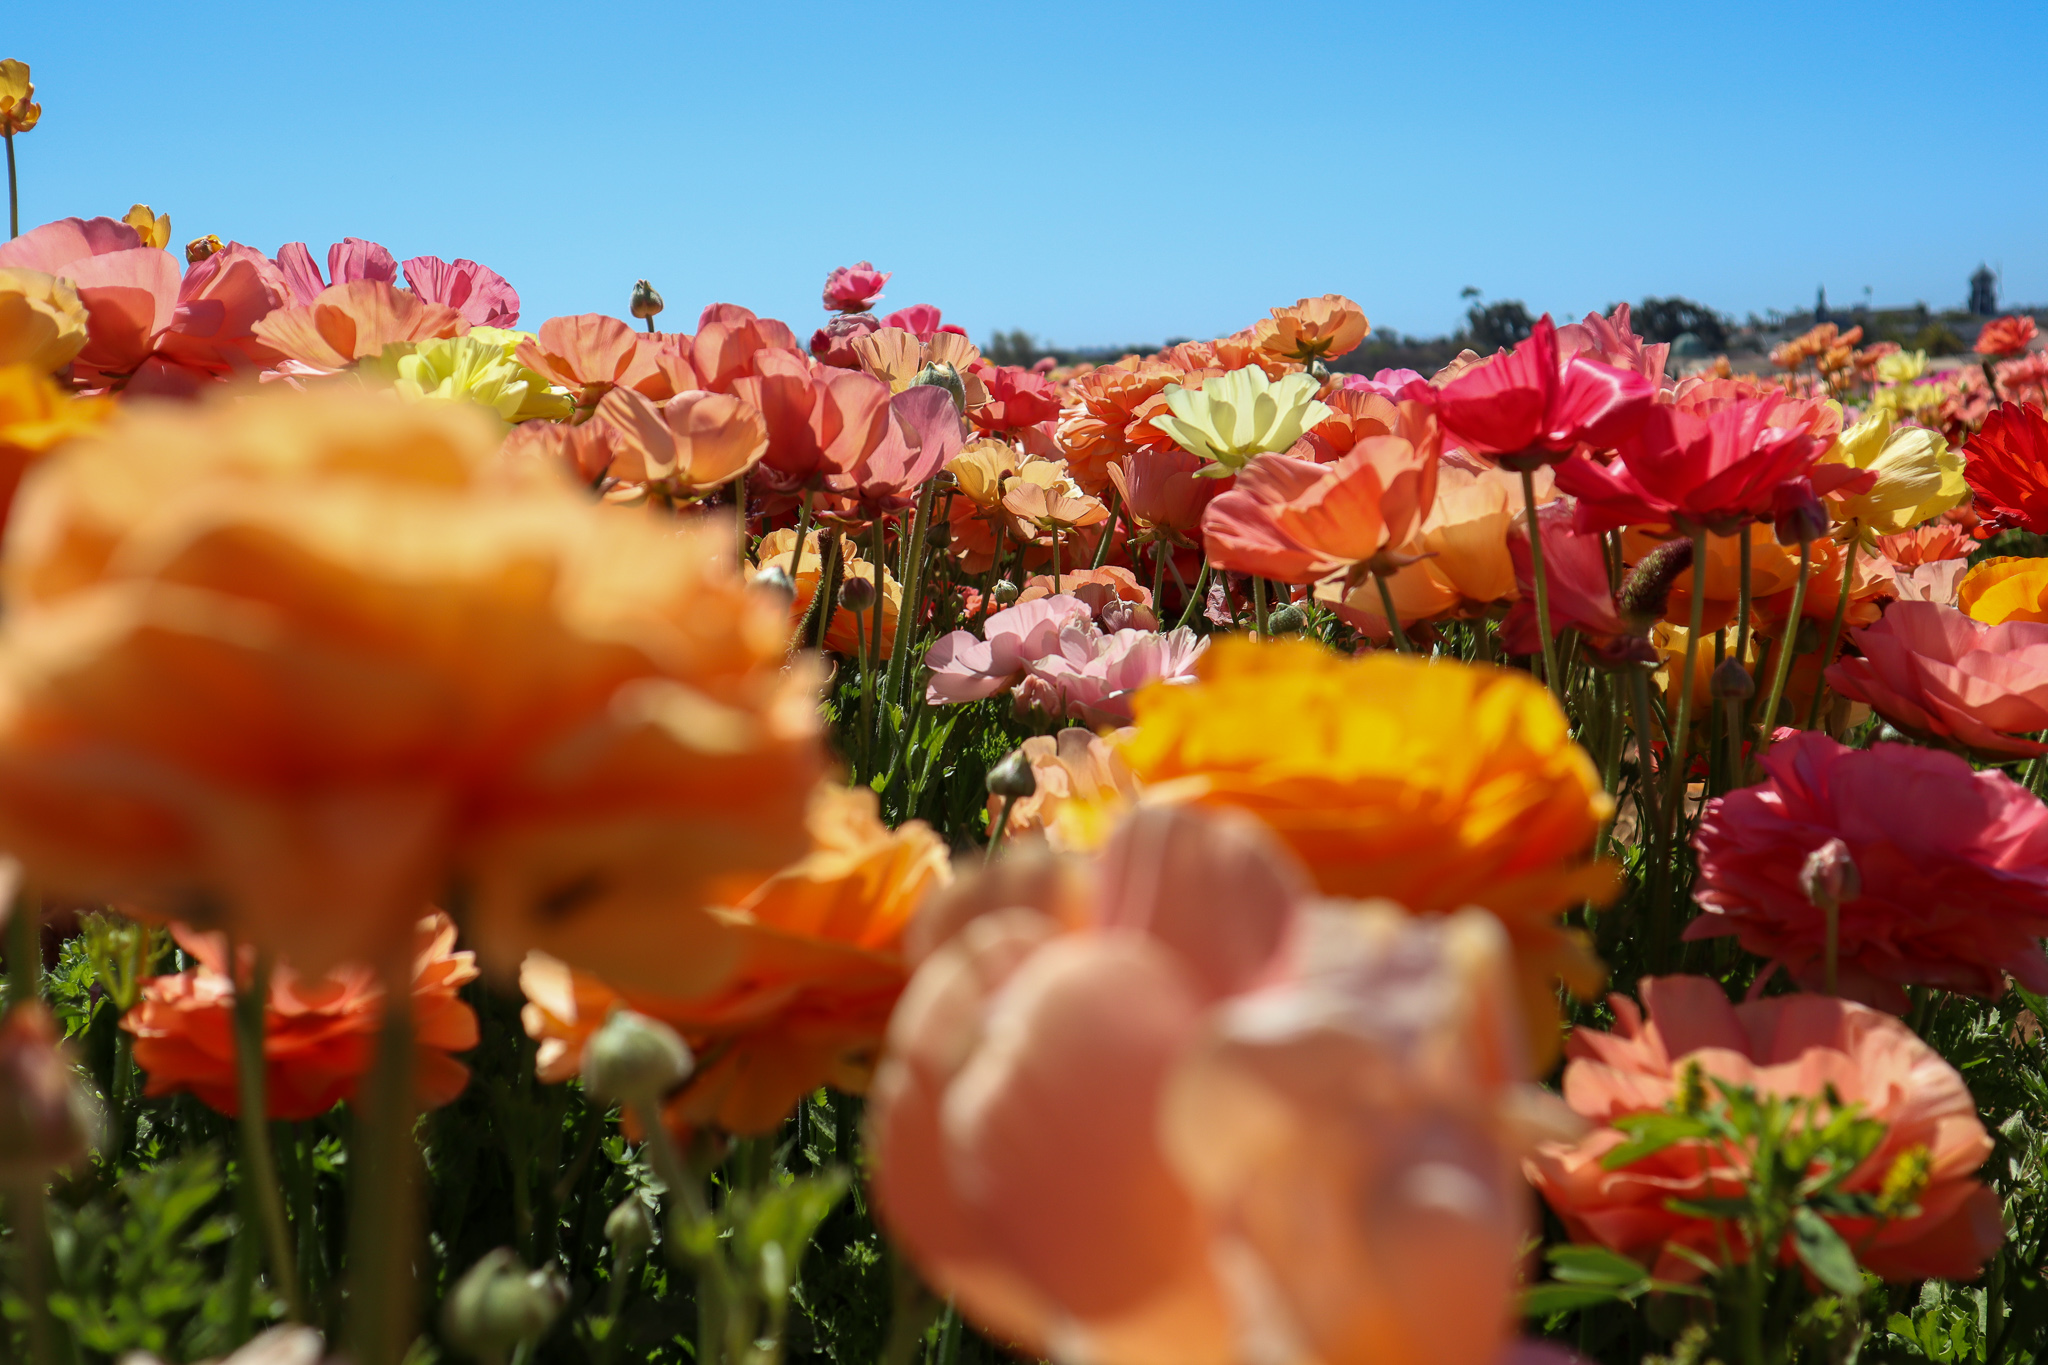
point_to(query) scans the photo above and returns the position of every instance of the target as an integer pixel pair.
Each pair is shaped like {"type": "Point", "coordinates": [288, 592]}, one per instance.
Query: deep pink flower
{"type": "Point", "coordinates": [1537, 405]}
{"type": "Point", "coordinates": [1612, 341]}
{"type": "Point", "coordinates": [832, 344]}
{"type": "Point", "coordinates": [348, 260]}
{"type": "Point", "coordinates": [477, 292]}
{"type": "Point", "coordinates": [1387, 383]}
{"type": "Point", "coordinates": [921, 320]}
{"type": "Point", "coordinates": [1936, 673]}
{"type": "Point", "coordinates": [854, 288]}
{"type": "Point", "coordinates": [1575, 566]}
{"type": "Point", "coordinates": [1717, 470]}
{"type": "Point", "coordinates": [1953, 865]}
{"type": "Point", "coordinates": [1017, 398]}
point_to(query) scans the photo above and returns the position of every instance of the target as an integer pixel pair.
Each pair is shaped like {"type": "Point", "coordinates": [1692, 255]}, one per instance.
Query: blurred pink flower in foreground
{"type": "Point", "coordinates": [1058, 661]}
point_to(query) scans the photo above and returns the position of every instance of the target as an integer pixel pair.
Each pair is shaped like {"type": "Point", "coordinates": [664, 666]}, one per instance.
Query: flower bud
{"type": "Point", "coordinates": [47, 1120]}
{"type": "Point", "coordinates": [633, 1059]}
{"type": "Point", "coordinates": [832, 344]}
{"type": "Point", "coordinates": [1647, 590]}
{"type": "Point", "coordinates": [199, 248]}
{"type": "Point", "coordinates": [1797, 515]}
{"type": "Point", "coordinates": [646, 300]}
{"type": "Point", "coordinates": [1004, 593]}
{"type": "Point", "coordinates": [1285, 619]}
{"type": "Point", "coordinates": [1118, 614]}
{"type": "Point", "coordinates": [775, 578]}
{"type": "Point", "coordinates": [630, 1231]}
{"type": "Point", "coordinates": [941, 375]}
{"type": "Point", "coordinates": [857, 595]}
{"type": "Point", "coordinates": [1011, 778]}
{"type": "Point", "coordinates": [1830, 876]}
{"type": "Point", "coordinates": [499, 1304]}
{"type": "Point", "coordinates": [18, 110]}
{"type": "Point", "coordinates": [1730, 681]}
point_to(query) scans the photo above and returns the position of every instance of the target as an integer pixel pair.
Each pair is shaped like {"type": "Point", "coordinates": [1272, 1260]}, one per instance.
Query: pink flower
{"type": "Point", "coordinates": [1017, 398]}
{"type": "Point", "coordinates": [854, 288]}
{"type": "Point", "coordinates": [730, 342]}
{"type": "Point", "coordinates": [1575, 565]}
{"type": "Point", "coordinates": [348, 260]}
{"type": "Point", "coordinates": [966, 669]}
{"type": "Point", "coordinates": [1162, 489]}
{"type": "Point", "coordinates": [832, 344]}
{"type": "Point", "coordinates": [1391, 384]}
{"type": "Point", "coordinates": [1941, 675]}
{"type": "Point", "coordinates": [1612, 341]}
{"type": "Point", "coordinates": [1094, 676]}
{"type": "Point", "coordinates": [477, 292]}
{"type": "Point", "coordinates": [1300, 522]}
{"type": "Point", "coordinates": [1953, 865]}
{"type": "Point", "coordinates": [822, 422]}
{"type": "Point", "coordinates": [923, 434]}
{"type": "Point", "coordinates": [921, 320]}
{"type": "Point", "coordinates": [1687, 470]}
{"type": "Point", "coordinates": [1537, 405]}
{"type": "Point", "coordinates": [1792, 1046]}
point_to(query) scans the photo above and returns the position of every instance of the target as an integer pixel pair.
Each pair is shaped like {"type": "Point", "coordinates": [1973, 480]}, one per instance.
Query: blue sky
{"type": "Point", "coordinates": [1091, 173]}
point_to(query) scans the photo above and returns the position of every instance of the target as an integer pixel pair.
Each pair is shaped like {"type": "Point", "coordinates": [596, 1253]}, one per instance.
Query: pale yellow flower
{"type": "Point", "coordinates": [1900, 366]}
{"type": "Point", "coordinates": [42, 323]}
{"type": "Point", "coordinates": [477, 366]}
{"type": "Point", "coordinates": [1918, 476]}
{"type": "Point", "coordinates": [1241, 414]}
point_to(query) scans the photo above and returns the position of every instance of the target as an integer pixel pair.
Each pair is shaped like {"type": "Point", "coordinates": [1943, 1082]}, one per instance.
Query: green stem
{"type": "Point", "coordinates": [383, 1216]}
{"type": "Point", "coordinates": [995, 837]}
{"type": "Point", "coordinates": [1768, 717]}
{"type": "Point", "coordinates": [1639, 689]}
{"type": "Point", "coordinates": [258, 1161]}
{"type": "Point", "coordinates": [1681, 729]}
{"type": "Point", "coordinates": [13, 191]}
{"type": "Point", "coordinates": [1550, 674]}
{"type": "Point", "coordinates": [1742, 601]}
{"type": "Point", "coordinates": [1108, 529]}
{"type": "Point", "coordinates": [1259, 604]}
{"type": "Point", "coordinates": [1827, 649]}
{"type": "Point", "coordinates": [1187, 613]}
{"type": "Point", "coordinates": [28, 1209]}
{"type": "Point", "coordinates": [826, 601]}
{"type": "Point", "coordinates": [912, 589]}
{"type": "Point", "coordinates": [1159, 557]}
{"type": "Point", "coordinates": [1055, 561]}
{"type": "Point", "coordinates": [1401, 644]}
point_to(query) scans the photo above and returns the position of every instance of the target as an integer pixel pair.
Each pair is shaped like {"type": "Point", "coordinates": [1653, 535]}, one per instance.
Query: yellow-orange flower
{"type": "Point", "coordinates": [848, 630]}
{"type": "Point", "coordinates": [36, 416]}
{"type": "Point", "coordinates": [42, 323]}
{"type": "Point", "coordinates": [2008, 588]}
{"type": "Point", "coordinates": [1433, 784]}
{"type": "Point", "coordinates": [18, 110]}
{"type": "Point", "coordinates": [292, 664]}
{"type": "Point", "coordinates": [154, 228]}
{"type": "Point", "coordinates": [1313, 329]}
{"type": "Point", "coordinates": [1073, 771]}
{"type": "Point", "coordinates": [817, 966]}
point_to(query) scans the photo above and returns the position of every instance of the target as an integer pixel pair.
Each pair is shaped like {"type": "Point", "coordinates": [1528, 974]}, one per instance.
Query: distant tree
{"type": "Point", "coordinates": [1013, 348]}
{"type": "Point", "coordinates": [1668, 319]}
{"type": "Point", "coordinates": [1498, 326]}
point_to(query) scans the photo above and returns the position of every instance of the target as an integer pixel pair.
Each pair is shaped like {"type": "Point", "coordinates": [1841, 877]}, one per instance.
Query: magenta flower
{"type": "Point", "coordinates": [1387, 383]}
{"type": "Point", "coordinates": [1716, 470]}
{"type": "Point", "coordinates": [1538, 404]}
{"type": "Point", "coordinates": [1612, 341]}
{"type": "Point", "coordinates": [854, 288]}
{"type": "Point", "coordinates": [348, 260]}
{"type": "Point", "coordinates": [477, 292]}
{"type": "Point", "coordinates": [921, 320]}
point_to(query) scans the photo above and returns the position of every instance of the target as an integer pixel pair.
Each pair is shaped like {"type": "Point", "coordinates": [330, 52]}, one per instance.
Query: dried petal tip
{"type": "Point", "coordinates": [499, 1304]}
{"type": "Point", "coordinates": [646, 300]}
{"type": "Point", "coordinates": [1731, 681]}
{"type": "Point", "coordinates": [1012, 778]}
{"type": "Point", "coordinates": [1830, 876]}
{"type": "Point", "coordinates": [635, 1060]}
{"type": "Point", "coordinates": [1647, 588]}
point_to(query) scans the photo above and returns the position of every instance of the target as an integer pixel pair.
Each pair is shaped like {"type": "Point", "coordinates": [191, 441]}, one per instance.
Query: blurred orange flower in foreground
{"type": "Point", "coordinates": [295, 664]}
{"type": "Point", "coordinates": [36, 416]}
{"type": "Point", "coordinates": [318, 1033]}
{"type": "Point", "coordinates": [816, 967]}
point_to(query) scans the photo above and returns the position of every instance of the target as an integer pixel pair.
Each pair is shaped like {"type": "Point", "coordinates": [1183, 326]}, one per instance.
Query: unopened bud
{"type": "Point", "coordinates": [1285, 619]}
{"type": "Point", "coordinates": [1731, 681]}
{"type": "Point", "coordinates": [1798, 516]}
{"type": "Point", "coordinates": [1647, 589]}
{"type": "Point", "coordinates": [1830, 876]}
{"type": "Point", "coordinates": [940, 375]}
{"type": "Point", "coordinates": [775, 578]}
{"type": "Point", "coordinates": [857, 595]}
{"type": "Point", "coordinates": [1011, 778]}
{"type": "Point", "coordinates": [633, 1059]}
{"type": "Point", "coordinates": [646, 300]}
{"type": "Point", "coordinates": [499, 1304]}
{"type": "Point", "coordinates": [199, 248]}
{"type": "Point", "coordinates": [630, 1230]}
{"type": "Point", "coordinates": [47, 1121]}
{"type": "Point", "coordinates": [1003, 593]}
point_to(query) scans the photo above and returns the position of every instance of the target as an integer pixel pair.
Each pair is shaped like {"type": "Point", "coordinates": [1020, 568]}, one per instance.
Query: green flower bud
{"type": "Point", "coordinates": [1012, 778]}
{"type": "Point", "coordinates": [1004, 593]}
{"type": "Point", "coordinates": [633, 1059]}
{"type": "Point", "coordinates": [944, 376]}
{"type": "Point", "coordinates": [499, 1303]}
{"type": "Point", "coordinates": [630, 1230]}
{"type": "Point", "coordinates": [1285, 619]}
{"type": "Point", "coordinates": [646, 300]}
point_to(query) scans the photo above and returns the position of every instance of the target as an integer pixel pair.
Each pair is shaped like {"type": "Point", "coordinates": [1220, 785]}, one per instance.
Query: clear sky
{"type": "Point", "coordinates": [1095, 174]}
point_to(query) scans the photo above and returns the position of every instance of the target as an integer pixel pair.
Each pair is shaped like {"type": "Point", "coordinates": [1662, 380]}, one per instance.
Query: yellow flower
{"type": "Point", "coordinates": [1435, 785]}
{"type": "Point", "coordinates": [980, 470]}
{"type": "Point", "coordinates": [2009, 588]}
{"type": "Point", "coordinates": [1900, 366]}
{"type": "Point", "coordinates": [18, 112]}
{"type": "Point", "coordinates": [478, 366]}
{"type": "Point", "coordinates": [154, 228]}
{"type": "Point", "coordinates": [1918, 476]}
{"type": "Point", "coordinates": [42, 323]}
{"type": "Point", "coordinates": [1241, 414]}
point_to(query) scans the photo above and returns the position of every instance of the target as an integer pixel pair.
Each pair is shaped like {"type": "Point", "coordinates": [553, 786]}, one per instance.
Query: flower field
{"type": "Point", "coordinates": [547, 840]}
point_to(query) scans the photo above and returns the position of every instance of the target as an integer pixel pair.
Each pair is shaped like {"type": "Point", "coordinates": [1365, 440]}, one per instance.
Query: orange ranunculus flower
{"type": "Point", "coordinates": [1436, 785]}
{"type": "Point", "coordinates": [1313, 329]}
{"type": "Point", "coordinates": [1923, 545]}
{"type": "Point", "coordinates": [1773, 569]}
{"type": "Point", "coordinates": [848, 629]}
{"type": "Point", "coordinates": [1302, 522]}
{"type": "Point", "coordinates": [319, 1034]}
{"type": "Point", "coordinates": [36, 416]}
{"type": "Point", "coordinates": [349, 322]}
{"type": "Point", "coordinates": [688, 446]}
{"type": "Point", "coordinates": [1102, 408]}
{"type": "Point", "coordinates": [1871, 584]}
{"type": "Point", "coordinates": [2005, 336]}
{"type": "Point", "coordinates": [817, 966]}
{"type": "Point", "coordinates": [2007, 588]}
{"type": "Point", "coordinates": [289, 664]}
{"type": "Point", "coordinates": [42, 322]}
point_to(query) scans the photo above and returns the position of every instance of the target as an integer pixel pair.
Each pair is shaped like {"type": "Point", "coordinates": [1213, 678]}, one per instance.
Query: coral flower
{"type": "Point", "coordinates": [2007, 588]}
{"type": "Point", "coordinates": [1537, 405]}
{"type": "Point", "coordinates": [2005, 336]}
{"type": "Point", "coordinates": [1163, 1022]}
{"type": "Point", "coordinates": [1095, 432]}
{"type": "Point", "coordinates": [1163, 491]}
{"type": "Point", "coordinates": [1926, 545]}
{"type": "Point", "coordinates": [346, 323]}
{"type": "Point", "coordinates": [1241, 414]}
{"type": "Point", "coordinates": [1069, 768]}
{"type": "Point", "coordinates": [901, 358]}
{"type": "Point", "coordinates": [849, 631]}
{"type": "Point", "coordinates": [821, 421]}
{"type": "Point", "coordinates": [817, 965]}
{"type": "Point", "coordinates": [1937, 674]}
{"type": "Point", "coordinates": [923, 435]}
{"type": "Point", "coordinates": [1435, 785]}
{"type": "Point", "coordinates": [1791, 1047]}
{"type": "Point", "coordinates": [348, 260]}
{"type": "Point", "coordinates": [687, 446]}
{"type": "Point", "coordinates": [1953, 864]}
{"type": "Point", "coordinates": [359, 659]}
{"type": "Point", "coordinates": [318, 1033]}
{"type": "Point", "coordinates": [2006, 466]}
{"type": "Point", "coordinates": [1713, 471]}
{"type": "Point", "coordinates": [1017, 398]}
{"type": "Point", "coordinates": [477, 292]}
{"type": "Point", "coordinates": [591, 354]}
{"type": "Point", "coordinates": [1301, 522]}
{"type": "Point", "coordinates": [42, 323]}
{"type": "Point", "coordinates": [731, 342]}
{"type": "Point", "coordinates": [1612, 341]}
{"type": "Point", "coordinates": [854, 288]}
{"type": "Point", "coordinates": [1313, 329]}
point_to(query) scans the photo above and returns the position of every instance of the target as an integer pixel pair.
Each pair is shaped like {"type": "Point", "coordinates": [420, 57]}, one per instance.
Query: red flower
{"type": "Point", "coordinates": [854, 288]}
{"type": "Point", "coordinates": [2006, 462]}
{"type": "Point", "coordinates": [1953, 865]}
{"type": "Point", "coordinates": [1017, 398]}
{"type": "Point", "coordinates": [1716, 470]}
{"type": "Point", "coordinates": [1537, 407]}
{"type": "Point", "coordinates": [2005, 336]}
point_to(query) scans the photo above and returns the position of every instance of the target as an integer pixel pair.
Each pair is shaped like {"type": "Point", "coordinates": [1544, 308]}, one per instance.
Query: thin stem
{"type": "Point", "coordinates": [912, 588]}
{"type": "Point", "coordinates": [1055, 561]}
{"type": "Point", "coordinates": [827, 596]}
{"type": "Point", "coordinates": [1550, 674]}
{"type": "Point", "coordinates": [1827, 649]}
{"type": "Point", "coordinates": [1259, 604]}
{"type": "Point", "coordinates": [13, 191]}
{"type": "Point", "coordinates": [1768, 717]}
{"type": "Point", "coordinates": [383, 1216]}
{"type": "Point", "coordinates": [1401, 644]}
{"type": "Point", "coordinates": [1646, 787]}
{"type": "Point", "coordinates": [258, 1160]}
{"type": "Point", "coordinates": [995, 837]}
{"type": "Point", "coordinates": [1681, 729]}
{"type": "Point", "coordinates": [1159, 558]}
{"type": "Point", "coordinates": [871, 654]}
{"type": "Point", "coordinates": [1742, 601]}
{"type": "Point", "coordinates": [995, 574]}
{"type": "Point", "coordinates": [1187, 613]}
{"type": "Point", "coordinates": [803, 533]}
{"type": "Point", "coordinates": [1108, 528]}
{"type": "Point", "coordinates": [739, 502]}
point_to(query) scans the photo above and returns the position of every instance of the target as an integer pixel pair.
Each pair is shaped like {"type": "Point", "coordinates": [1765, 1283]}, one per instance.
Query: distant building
{"type": "Point", "coordinates": [1984, 292]}
{"type": "Point", "coordinates": [1820, 305]}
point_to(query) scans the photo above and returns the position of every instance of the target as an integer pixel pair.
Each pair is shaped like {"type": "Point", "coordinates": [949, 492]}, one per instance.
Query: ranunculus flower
{"type": "Point", "coordinates": [1301, 522]}
{"type": "Point", "coordinates": [921, 320]}
{"type": "Point", "coordinates": [816, 966]}
{"type": "Point", "coordinates": [923, 434]}
{"type": "Point", "coordinates": [2005, 462]}
{"type": "Point", "coordinates": [346, 323]}
{"type": "Point", "coordinates": [688, 446]}
{"type": "Point", "coordinates": [731, 343]}
{"type": "Point", "coordinates": [1312, 329]}
{"type": "Point", "coordinates": [1099, 588]}
{"type": "Point", "coordinates": [1927, 545]}
{"type": "Point", "coordinates": [822, 422]}
{"type": "Point", "coordinates": [1940, 675]}
{"type": "Point", "coordinates": [1917, 476]}
{"type": "Point", "coordinates": [1391, 384]}
{"type": "Point", "coordinates": [348, 260]}
{"type": "Point", "coordinates": [1581, 599]}
{"type": "Point", "coordinates": [42, 323]}
{"type": "Point", "coordinates": [1714, 471]}
{"type": "Point", "coordinates": [1105, 1126]}
{"type": "Point", "coordinates": [37, 416]}
{"type": "Point", "coordinates": [832, 344]}
{"type": "Point", "coordinates": [1094, 433]}
{"type": "Point", "coordinates": [1073, 767]}
{"type": "Point", "coordinates": [1059, 661]}
{"type": "Point", "coordinates": [1954, 867]}
{"type": "Point", "coordinates": [2005, 336]}
{"type": "Point", "coordinates": [361, 658]}
{"type": "Point", "coordinates": [477, 292]}
{"type": "Point", "coordinates": [1537, 405]}
{"type": "Point", "coordinates": [898, 357]}
{"type": "Point", "coordinates": [319, 1033]}
{"type": "Point", "coordinates": [1238, 415]}
{"type": "Point", "coordinates": [1163, 491]}
{"type": "Point", "coordinates": [591, 353]}
{"type": "Point", "coordinates": [1789, 1046]}
{"type": "Point", "coordinates": [1433, 784]}
{"type": "Point", "coordinates": [1612, 341]}
{"type": "Point", "coordinates": [854, 288]}
{"type": "Point", "coordinates": [477, 367]}
{"type": "Point", "coordinates": [1017, 398]}
{"type": "Point", "coordinates": [2005, 588]}
{"type": "Point", "coordinates": [849, 631]}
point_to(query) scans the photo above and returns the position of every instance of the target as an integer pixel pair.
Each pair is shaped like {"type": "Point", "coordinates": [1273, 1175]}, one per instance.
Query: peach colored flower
{"type": "Point", "coordinates": [1791, 1046]}
{"type": "Point", "coordinates": [346, 323]}
{"type": "Point", "coordinates": [897, 357]}
{"type": "Point", "coordinates": [1312, 329]}
{"type": "Point", "coordinates": [688, 446]}
{"type": "Point", "coordinates": [1927, 545]}
{"type": "Point", "coordinates": [1161, 491]}
{"type": "Point", "coordinates": [849, 631]}
{"type": "Point", "coordinates": [1102, 408]}
{"type": "Point", "coordinates": [822, 422]}
{"type": "Point", "coordinates": [590, 354]}
{"type": "Point", "coordinates": [2005, 336]}
{"type": "Point", "coordinates": [731, 342]}
{"type": "Point", "coordinates": [319, 1033]}
{"type": "Point", "coordinates": [1300, 522]}
{"type": "Point", "coordinates": [1940, 675]}
{"type": "Point", "coordinates": [1069, 767]}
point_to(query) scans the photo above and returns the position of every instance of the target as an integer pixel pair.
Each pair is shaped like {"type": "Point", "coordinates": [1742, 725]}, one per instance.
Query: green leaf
{"type": "Point", "coordinates": [1824, 1252]}
{"type": "Point", "coordinates": [1711, 1206]}
{"type": "Point", "coordinates": [1545, 1299]}
{"type": "Point", "coordinates": [1650, 1134]}
{"type": "Point", "coordinates": [1593, 1265]}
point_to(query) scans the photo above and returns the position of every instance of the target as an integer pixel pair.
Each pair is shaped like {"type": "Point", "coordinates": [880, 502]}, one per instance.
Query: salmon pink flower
{"type": "Point", "coordinates": [347, 323]}
{"type": "Point", "coordinates": [922, 435]}
{"type": "Point", "coordinates": [477, 292]}
{"type": "Point", "coordinates": [731, 342]}
{"type": "Point", "coordinates": [1537, 405]}
{"type": "Point", "coordinates": [921, 320]}
{"type": "Point", "coordinates": [1017, 398]}
{"type": "Point", "coordinates": [854, 288]}
{"type": "Point", "coordinates": [822, 422]}
{"type": "Point", "coordinates": [318, 1032]}
{"type": "Point", "coordinates": [1927, 545]}
{"type": "Point", "coordinates": [1791, 1047]}
{"type": "Point", "coordinates": [1073, 767]}
{"type": "Point", "coordinates": [832, 344]}
{"type": "Point", "coordinates": [1954, 867]}
{"type": "Point", "coordinates": [1612, 341]}
{"type": "Point", "coordinates": [1163, 491]}
{"type": "Point", "coordinates": [687, 446]}
{"type": "Point", "coordinates": [1392, 384]}
{"type": "Point", "coordinates": [1939, 675]}
{"type": "Point", "coordinates": [348, 260]}
{"type": "Point", "coordinates": [1715, 471]}
{"type": "Point", "coordinates": [2006, 464]}
{"type": "Point", "coordinates": [1300, 522]}
{"type": "Point", "coordinates": [591, 353]}
{"type": "Point", "coordinates": [2005, 336]}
